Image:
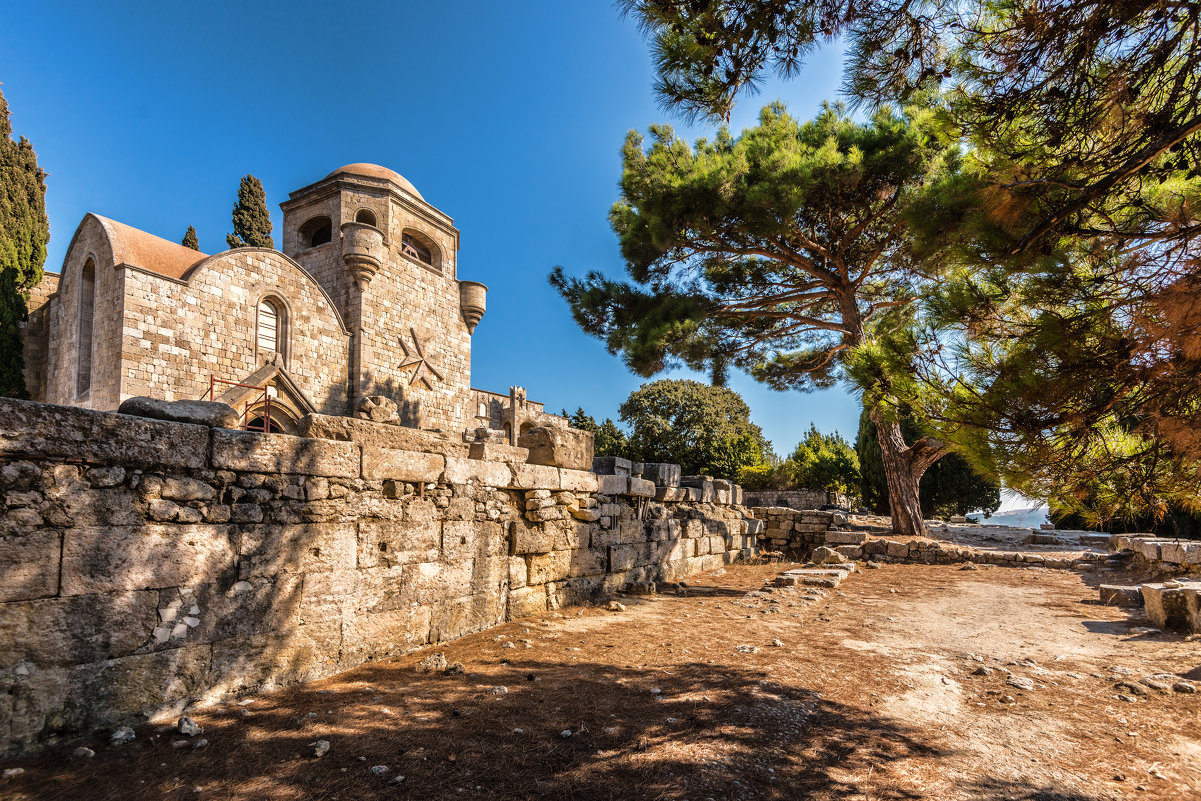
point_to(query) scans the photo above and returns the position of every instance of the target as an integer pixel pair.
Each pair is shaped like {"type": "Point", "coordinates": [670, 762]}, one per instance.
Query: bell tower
{"type": "Point", "coordinates": [388, 260]}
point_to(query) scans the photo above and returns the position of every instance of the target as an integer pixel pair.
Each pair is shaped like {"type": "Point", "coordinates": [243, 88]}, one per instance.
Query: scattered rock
{"type": "Point", "coordinates": [970, 566]}
{"type": "Point", "coordinates": [565, 733]}
{"type": "Point", "coordinates": [982, 671]}
{"type": "Point", "coordinates": [396, 780]}
{"type": "Point", "coordinates": [1130, 699]}
{"type": "Point", "coordinates": [519, 731]}
{"type": "Point", "coordinates": [499, 690]}
{"type": "Point", "coordinates": [1156, 684]}
{"type": "Point", "coordinates": [187, 727]}
{"type": "Point", "coordinates": [870, 565]}
{"type": "Point", "coordinates": [822, 555]}
{"type": "Point", "coordinates": [83, 752]}
{"type": "Point", "coordinates": [1008, 699]}
{"type": "Point", "coordinates": [12, 773]}
{"type": "Point", "coordinates": [777, 643]}
{"type": "Point", "coordinates": [433, 663]}
{"type": "Point", "coordinates": [455, 669]}
{"type": "Point", "coordinates": [747, 649]}
{"type": "Point", "coordinates": [379, 770]}
{"type": "Point", "coordinates": [121, 736]}
{"type": "Point", "coordinates": [1021, 682]}
{"type": "Point", "coordinates": [1183, 686]}
{"type": "Point", "coordinates": [509, 644]}
{"type": "Point", "coordinates": [198, 744]}
{"type": "Point", "coordinates": [320, 748]}
{"type": "Point", "coordinates": [180, 743]}
{"type": "Point", "coordinates": [616, 606]}
{"type": "Point", "coordinates": [1132, 687]}
{"type": "Point", "coordinates": [377, 409]}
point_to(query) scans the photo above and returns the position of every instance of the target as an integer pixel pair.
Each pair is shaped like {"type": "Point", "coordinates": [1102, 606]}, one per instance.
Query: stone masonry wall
{"type": "Point", "coordinates": [148, 565]}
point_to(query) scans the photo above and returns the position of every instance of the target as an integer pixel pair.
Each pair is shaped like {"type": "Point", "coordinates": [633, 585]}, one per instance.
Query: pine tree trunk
{"type": "Point", "coordinates": [902, 476]}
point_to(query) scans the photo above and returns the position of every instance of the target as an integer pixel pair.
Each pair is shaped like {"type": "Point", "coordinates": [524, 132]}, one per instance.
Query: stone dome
{"type": "Point", "coordinates": [376, 171]}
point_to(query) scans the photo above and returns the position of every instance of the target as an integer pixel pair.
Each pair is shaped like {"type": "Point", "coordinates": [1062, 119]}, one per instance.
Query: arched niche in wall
{"type": "Point", "coordinates": [84, 325]}
{"type": "Point", "coordinates": [420, 248]}
{"type": "Point", "coordinates": [315, 231]}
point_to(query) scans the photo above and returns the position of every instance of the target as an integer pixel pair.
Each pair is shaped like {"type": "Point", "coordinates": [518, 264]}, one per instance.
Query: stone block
{"type": "Point", "coordinates": [83, 628]}
{"type": "Point", "coordinates": [614, 484]}
{"type": "Point", "coordinates": [266, 661]}
{"type": "Point", "coordinates": [410, 467]}
{"type": "Point", "coordinates": [622, 557]}
{"type": "Point", "coordinates": [379, 435]}
{"type": "Point", "coordinates": [534, 476]}
{"type": "Point", "coordinates": [490, 474]}
{"type": "Point", "coordinates": [473, 539]}
{"type": "Point", "coordinates": [497, 452]}
{"type": "Point", "coordinates": [1174, 605]}
{"type": "Point", "coordinates": [297, 548]}
{"type": "Point", "coordinates": [703, 485]}
{"type": "Point", "coordinates": [527, 601]}
{"type": "Point", "coordinates": [456, 617]}
{"type": "Point", "coordinates": [558, 447]}
{"type": "Point", "coordinates": [641, 488]}
{"type": "Point", "coordinates": [29, 565]}
{"type": "Point", "coordinates": [612, 466]}
{"type": "Point", "coordinates": [107, 559]}
{"type": "Point", "coordinates": [845, 538]}
{"type": "Point", "coordinates": [849, 551]}
{"type": "Point", "coordinates": [196, 412]}
{"type": "Point", "coordinates": [671, 494]}
{"type": "Point", "coordinates": [47, 431]}
{"type": "Point", "coordinates": [662, 474]}
{"type": "Point", "coordinates": [897, 550]}
{"type": "Point", "coordinates": [578, 481]}
{"type": "Point", "coordinates": [280, 453]}
{"type": "Point", "coordinates": [549, 567]}
{"type": "Point", "coordinates": [390, 544]}
{"type": "Point", "coordinates": [531, 539]}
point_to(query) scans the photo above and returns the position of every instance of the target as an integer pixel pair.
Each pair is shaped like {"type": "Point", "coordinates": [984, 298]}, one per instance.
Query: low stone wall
{"type": "Point", "coordinates": [148, 565]}
{"type": "Point", "coordinates": [798, 499]}
{"type": "Point", "coordinates": [1160, 552]}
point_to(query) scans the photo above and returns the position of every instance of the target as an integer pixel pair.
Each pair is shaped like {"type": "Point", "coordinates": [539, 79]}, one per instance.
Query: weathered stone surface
{"type": "Point", "coordinates": [662, 474]}
{"type": "Point", "coordinates": [29, 565]}
{"type": "Point", "coordinates": [612, 466]}
{"type": "Point", "coordinates": [107, 559]}
{"type": "Point", "coordinates": [497, 452]}
{"type": "Point", "coordinates": [614, 484]}
{"type": "Point", "coordinates": [642, 488]}
{"type": "Point", "coordinates": [196, 412]}
{"type": "Point", "coordinates": [277, 453]}
{"type": "Point", "coordinates": [1174, 605]}
{"type": "Point", "coordinates": [535, 476]}
{"type": "Point", "coordinates": [299, 548]}
{"type": "Point", "coordinates": [1115, 595]}
{"type": "Point", "coordinates": [390, 544]}
{"type": "Point", "coordinates": [75, 630]}
{"type": "Point", "coordinates": [578, 481]}
{"type": "Point", "coordinates": [491, 474]}
{"type": "Point", "coordinates": [377, 409]}
{"type": "Point", "coordinates": [703, 485]}
{"type": "Point", "coordinates": [379, 435]}
{"type": "Point", "coordinates": [845, 537]}
{"type": "Point", "coordinates": [399, 465]}
{"type": "Point", "coordinates": [558, 447]}
{"type": "Point", "coordinates": [45, 431]}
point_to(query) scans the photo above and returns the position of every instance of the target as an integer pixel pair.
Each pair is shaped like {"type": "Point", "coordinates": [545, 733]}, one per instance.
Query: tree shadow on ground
{"type": "Point", "coordinates": [699, 732]}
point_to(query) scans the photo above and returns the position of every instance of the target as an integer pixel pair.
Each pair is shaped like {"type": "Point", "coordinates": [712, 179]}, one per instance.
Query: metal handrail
{"type": "Point", "coordinates": [244, 417]}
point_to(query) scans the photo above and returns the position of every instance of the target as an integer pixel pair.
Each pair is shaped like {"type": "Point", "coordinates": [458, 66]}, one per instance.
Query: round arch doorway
{"type": "Point", "coordinates": [283, 421]}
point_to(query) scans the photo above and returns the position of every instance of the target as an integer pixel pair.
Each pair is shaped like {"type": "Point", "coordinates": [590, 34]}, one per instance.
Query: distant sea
{"type": "Point", "coordinates": [1020, 518]}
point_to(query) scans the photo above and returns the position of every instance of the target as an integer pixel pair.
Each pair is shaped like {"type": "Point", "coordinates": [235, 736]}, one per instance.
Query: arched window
{"type": "Point", "coordinates": [366, 217]}
{"type": "Point", "coordinates": [87, 311]}
{"type": "Point", "coordinates": [269, 330]}
{"type": "Point", "coordinates": [316, 231]}
{"type": "Point", "coordinates": [417, 249]}
{"type": "Point", "coordinates": [483, 412]}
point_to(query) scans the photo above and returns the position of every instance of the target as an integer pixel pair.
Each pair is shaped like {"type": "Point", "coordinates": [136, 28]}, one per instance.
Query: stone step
{"type": "Point", "coordinates": [1174, 605]}
{"type": "Point", "coordinates": [827, 577]}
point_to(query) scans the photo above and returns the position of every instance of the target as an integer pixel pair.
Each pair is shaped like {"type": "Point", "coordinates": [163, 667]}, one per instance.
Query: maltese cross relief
{"type": "Point", "coordinates": [416, 352]}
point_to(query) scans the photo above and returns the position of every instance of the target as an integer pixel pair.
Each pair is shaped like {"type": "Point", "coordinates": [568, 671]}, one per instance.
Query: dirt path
{"type": "Point", "coordinates": [872, 692]}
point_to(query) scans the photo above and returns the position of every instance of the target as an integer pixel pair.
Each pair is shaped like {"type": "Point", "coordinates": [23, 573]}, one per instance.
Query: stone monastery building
{"type": "Point", "coordinates": [364, 300]}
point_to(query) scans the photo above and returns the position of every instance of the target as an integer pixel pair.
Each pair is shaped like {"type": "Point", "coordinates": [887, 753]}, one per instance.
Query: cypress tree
{"type": "Point", "coordinates": [190, 240]}
{"type": "Point", "coordinates": [24, 232]}
{"type": "Point", "coordinates": [252, 221]}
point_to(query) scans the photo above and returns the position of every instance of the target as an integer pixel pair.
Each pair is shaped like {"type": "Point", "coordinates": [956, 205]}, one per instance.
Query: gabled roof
{"type": "Point", "coordinates": [147, 251]}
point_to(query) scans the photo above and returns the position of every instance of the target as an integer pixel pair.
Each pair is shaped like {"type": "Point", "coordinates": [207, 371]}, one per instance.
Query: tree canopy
{"type": "Point", "coordinates": [252, 221]}
{"type": "Point", "coordinates": [24, 232]}
{"type": "Point", "coordinates": [825, 462]}
{"type": "Point", "coordinates": [607, 438]}
{"type": "Point", "coordinates": [707, 430]}
{"type": "Point", "coordinates": [784, 251]}
{"type": "Point", "coordinates": [190, 240]}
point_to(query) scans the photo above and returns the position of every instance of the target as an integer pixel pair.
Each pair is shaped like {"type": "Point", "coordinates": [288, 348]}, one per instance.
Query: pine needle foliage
{"type": "Point", "coordinates": [24, 232]}
{"type": "Point", "coordinates": [252, 221]}
{"type": "Point", "coordinates": [784, 251]}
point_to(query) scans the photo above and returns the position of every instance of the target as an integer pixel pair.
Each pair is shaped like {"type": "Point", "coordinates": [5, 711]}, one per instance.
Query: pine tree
{"type": "Point", "coordinates": [252, 221]}
{"type": "Point", "coordinates": [190, 239]}
{"type": "Point", "coordinates": [784, 252]}
{"type": "Point", "coordinates": [24, 232]}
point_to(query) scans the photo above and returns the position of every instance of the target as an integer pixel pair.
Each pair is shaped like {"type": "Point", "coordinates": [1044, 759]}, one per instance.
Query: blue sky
{"type": "Point", "coordinates": [507, 116]}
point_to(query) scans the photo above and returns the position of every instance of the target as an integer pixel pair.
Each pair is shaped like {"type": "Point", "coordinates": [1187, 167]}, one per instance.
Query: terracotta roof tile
{"type": "Point", "coordinates": [140, 249]}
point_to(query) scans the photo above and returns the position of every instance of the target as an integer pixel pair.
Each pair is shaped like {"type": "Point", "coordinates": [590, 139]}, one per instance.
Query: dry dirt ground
{"type": "Point", "coordinates": [870, 694]}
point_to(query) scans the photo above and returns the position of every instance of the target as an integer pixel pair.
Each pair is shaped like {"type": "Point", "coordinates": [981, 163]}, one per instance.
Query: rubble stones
{"type": "Point", "coordinates": [377, 409]}
{"type": "Point", "coordinates": [121, 736]}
